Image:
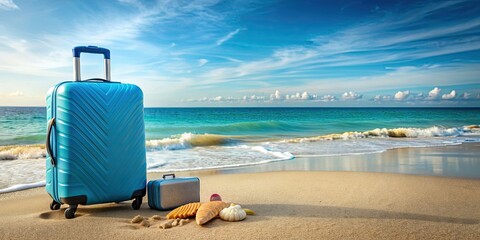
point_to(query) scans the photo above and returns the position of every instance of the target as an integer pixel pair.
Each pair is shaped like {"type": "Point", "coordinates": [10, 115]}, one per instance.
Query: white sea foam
{"type": "Point", "coordinates": [19, 187]}
{"type": "Point", "coordinates": [21, 171]}
{"type": "Point", "coordinates": [212, 157]}
{"type": "Point", "coordinates": [435, 131]}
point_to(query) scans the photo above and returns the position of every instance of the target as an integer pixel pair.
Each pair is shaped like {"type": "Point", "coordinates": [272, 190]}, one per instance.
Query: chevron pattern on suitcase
{"type": "Point", "coordinates": [100, 141]}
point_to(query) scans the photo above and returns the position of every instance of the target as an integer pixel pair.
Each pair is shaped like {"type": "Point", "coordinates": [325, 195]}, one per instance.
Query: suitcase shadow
{"type": "Point", "coordinates": [106, 210]}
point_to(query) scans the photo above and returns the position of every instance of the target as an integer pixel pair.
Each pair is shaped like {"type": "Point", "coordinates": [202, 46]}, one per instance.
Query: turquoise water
{"type": "Point", "coordinates": [297, 122]}
{"type": "Point", "coordinates": [180, 139]}
{"type": "Point", "coordinates": [21, 125]}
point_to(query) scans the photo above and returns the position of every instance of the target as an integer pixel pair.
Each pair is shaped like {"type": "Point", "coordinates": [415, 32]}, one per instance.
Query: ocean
{"type": "Point", "coordinates": [181, 139]}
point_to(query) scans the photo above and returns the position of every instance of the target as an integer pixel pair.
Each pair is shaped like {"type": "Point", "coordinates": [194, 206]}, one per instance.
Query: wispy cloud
{"type": "Point", "coordinates": [49, 53]}
{"type": "Point", "coordinates": [16, 94]}
{"type": "Point", "coordinates": [202, 62]}
{"type": "Point", "coordinates": [8, 5]}
{"type": "Point", "coordinates": [396, 38]}
{"type": "Point", "coordinates": [227, 37]}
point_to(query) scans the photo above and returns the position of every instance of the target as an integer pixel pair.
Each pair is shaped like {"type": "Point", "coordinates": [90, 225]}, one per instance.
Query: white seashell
{"type": "Point", "coordinates": [233, 213]}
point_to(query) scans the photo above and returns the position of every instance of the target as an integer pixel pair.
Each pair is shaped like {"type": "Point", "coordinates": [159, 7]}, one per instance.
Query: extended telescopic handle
{"type": "Point", "coordinates": [90, 49]}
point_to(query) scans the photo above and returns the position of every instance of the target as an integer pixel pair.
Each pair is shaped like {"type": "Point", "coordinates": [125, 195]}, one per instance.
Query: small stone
{"type": "Point", "coordinates": [156, 217]}
{"type": "Point", "coordinates": [184, 221]}
{"type": "Point", "coordinates": [175, 222]}
{"type": "Point", "coordinates": [137, 219]}
{"type": "Point", "coordinates": [165, 225]}
{"type": "Point", "coordinates": [145, 223]}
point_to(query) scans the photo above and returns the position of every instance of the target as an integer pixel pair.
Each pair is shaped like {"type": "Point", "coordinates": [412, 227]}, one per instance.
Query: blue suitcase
{"type": "Point", "coordinates": [95, 140]}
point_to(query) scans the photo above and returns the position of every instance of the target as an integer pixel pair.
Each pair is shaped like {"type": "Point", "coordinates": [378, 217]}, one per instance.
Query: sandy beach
{"type": "Point", "coordinates": [289, 204]}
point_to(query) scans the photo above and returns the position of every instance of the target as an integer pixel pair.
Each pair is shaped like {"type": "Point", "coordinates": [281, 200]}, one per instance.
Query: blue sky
{"type": "Point", "coordinates": [250, 53]}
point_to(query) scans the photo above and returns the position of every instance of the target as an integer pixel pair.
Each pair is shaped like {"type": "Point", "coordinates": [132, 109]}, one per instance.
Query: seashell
{"type": "Point", "coordinates": [184, 211]}
{"type": "Point", "coordinates": [249, 211]}
{"type": "Point", "coordinates": [215, 197]}
{"type": "Point", "coordinates": [208, 211]}
{"type": "Point", "coordinates": [233, 213]}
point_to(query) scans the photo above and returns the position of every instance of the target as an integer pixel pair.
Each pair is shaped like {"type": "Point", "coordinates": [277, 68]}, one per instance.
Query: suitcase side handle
{"type": "Point", "coordinates": [51, 122]}
{"type": "Point", "coordinates": [167, 175]}
{"type": "Point", "coordinates": [90, 49]}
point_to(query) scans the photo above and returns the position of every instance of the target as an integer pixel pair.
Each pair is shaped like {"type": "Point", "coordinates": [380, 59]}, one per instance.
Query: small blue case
{"type": "Point", "coordinates": [169, 193]}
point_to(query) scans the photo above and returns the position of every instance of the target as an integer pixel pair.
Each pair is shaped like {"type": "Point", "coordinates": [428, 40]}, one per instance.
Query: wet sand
{"type": "Point", "coordinates": [461, 160]}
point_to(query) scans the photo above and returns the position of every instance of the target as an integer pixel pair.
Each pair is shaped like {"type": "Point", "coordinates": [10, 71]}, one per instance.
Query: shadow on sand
{"type": "Point", "coordinates": [264, 211]}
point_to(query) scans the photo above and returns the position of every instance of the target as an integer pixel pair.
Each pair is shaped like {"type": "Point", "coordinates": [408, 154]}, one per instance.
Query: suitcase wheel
{"type": "Point", "coordinates": [54, 205]}
{"type": "Point", "coordinates": [137, 203]}
{"type": "Point", "coordinates": [70, 212]}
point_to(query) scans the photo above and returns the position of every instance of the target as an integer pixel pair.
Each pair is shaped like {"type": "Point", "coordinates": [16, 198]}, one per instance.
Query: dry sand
{"type": "Point", "coordinates": [293, 205]}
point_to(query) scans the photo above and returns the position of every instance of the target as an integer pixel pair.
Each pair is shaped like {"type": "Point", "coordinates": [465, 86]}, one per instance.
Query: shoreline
{"type": "Point", "coordinates": [460, 161]}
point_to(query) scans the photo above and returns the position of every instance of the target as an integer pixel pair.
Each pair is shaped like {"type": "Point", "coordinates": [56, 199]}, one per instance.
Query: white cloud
{"type": "Point", "coordinates": [202, 62]}
{"type": "Point", "coordinates": [276, 96]}
{"type": "Point", "coordinates": [351, 96]}
{"type": "Point", "coordinates": [329, 98]}
{"type": "Point", "coordinates": [306, 96]}
{"type": "Point", "coordinates": [8, 5]}
{"type": "Point", "coordinates": [219, 98]}
{"type": "Point", "coordinates": [434, 93]}
{"type": "Point", "coordinates": [402, 95]}
{"type": "Point", "coordinates": [450, 95]}
{"type": "Point", "coordinates": [227, 37]}
{"type": "Point", "coordinates": [253, 97]}
{"type": "Point", "coordinates": [379, 98]}
{"type": "Point", "coordinates": [466, 95]}
{"type": "Point", "coordinates": [16, 94]}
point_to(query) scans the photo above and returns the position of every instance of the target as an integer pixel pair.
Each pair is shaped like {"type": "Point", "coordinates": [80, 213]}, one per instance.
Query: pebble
{"type": "Point", "coordinates": [156, 217]}
{"type": "Point", "coordinates": [145, 223]}
{"type": "Point", "coordinates": [137, 219]}
{"type": "Point", "coordinates": [175, 222]}
{"type": "Point", "coordinates": [184, 221]}
{"type": "Point", "coordinates": [165, 225]}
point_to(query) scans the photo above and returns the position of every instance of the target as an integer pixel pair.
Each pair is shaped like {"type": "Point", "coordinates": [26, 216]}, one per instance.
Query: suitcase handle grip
{"type": "Point", "coordinates": [90, 49]}
{"type": "Point", "coordinates": [51, 122]}
{"type": "Point", "coordinates": [170, 174]}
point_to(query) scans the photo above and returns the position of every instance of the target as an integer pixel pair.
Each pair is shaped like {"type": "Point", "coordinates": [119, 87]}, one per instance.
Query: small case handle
{"type": "Point", "coordinates": [170, 174]}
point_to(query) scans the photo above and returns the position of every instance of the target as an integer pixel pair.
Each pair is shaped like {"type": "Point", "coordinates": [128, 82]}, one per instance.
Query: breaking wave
{"type": "Point", "coordinates": [189, 140]}
{"type": "Point", "coordinates": [14, 152]}
{"type": "Point", "coordinates": [435, 131]}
